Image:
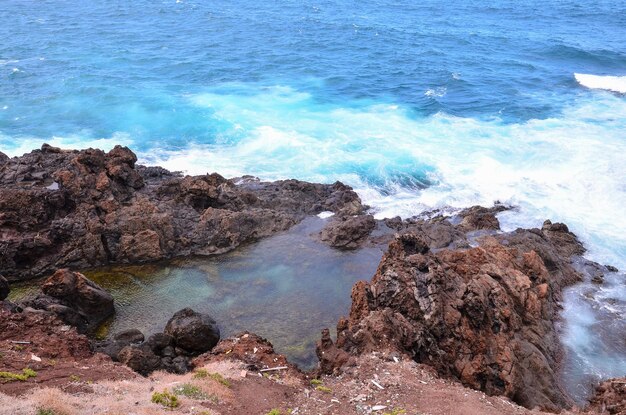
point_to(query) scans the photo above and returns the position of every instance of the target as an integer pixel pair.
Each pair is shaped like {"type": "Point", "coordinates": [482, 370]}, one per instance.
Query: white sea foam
{"type": "Point", "coordinates": [569, 168]}
{"type": "Point", "coordinates": [16, 147]}
{"type": "Point", "coordinates": [609, 83]}
{"type": "Point", "coordinates": [436, 92]}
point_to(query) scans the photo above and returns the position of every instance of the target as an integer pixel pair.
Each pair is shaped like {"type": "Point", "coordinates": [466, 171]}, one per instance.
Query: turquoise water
{"type": "Point", "coordinates": [286, 288]}
{"type": "Point", "coordinates": [417, 105]}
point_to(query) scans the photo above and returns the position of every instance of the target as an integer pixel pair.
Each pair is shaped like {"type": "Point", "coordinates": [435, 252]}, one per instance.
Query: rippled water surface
{"type": "Point", "coordinates": [286, 288]}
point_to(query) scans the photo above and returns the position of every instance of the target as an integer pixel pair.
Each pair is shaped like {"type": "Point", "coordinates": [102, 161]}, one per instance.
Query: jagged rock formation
{"type": "Point", "coordinates": [75, 299]}
{"type": "Point", "coordinates": [81, 209]}
{"type": "Point", "coordinates": [610, 398]}
{"type": "Point", "coordinates": [475, 304]}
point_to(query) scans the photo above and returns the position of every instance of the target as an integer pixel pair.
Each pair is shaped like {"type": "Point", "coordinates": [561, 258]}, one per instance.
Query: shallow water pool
{"type": "Point", "coordinates": [285, 288]}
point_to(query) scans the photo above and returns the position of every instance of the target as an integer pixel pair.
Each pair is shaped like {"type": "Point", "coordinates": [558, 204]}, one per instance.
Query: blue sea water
{"type": "Point", "coordinates": [418, 105]}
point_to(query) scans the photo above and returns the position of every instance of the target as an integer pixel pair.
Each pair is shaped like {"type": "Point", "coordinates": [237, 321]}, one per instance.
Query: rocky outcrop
{"type": "Point", "coordinates": [81, 209]}
{"type": "Point", "coordinates": [348, 232]}
{"type": "Point", "coordinates": [192, 331]}
{"type": "Point", "coordinates": [256, 352]}
{"type": "Point", "coordinates": [610, 398]}
{"type": "Point", "coordinates": [187, 334]}
{"type": "Point", "coordinates": [4, 288]}
{"type": "Point", "coordinates": [75, 299]}
{"type": "Point", "coordinates": [481, 309]}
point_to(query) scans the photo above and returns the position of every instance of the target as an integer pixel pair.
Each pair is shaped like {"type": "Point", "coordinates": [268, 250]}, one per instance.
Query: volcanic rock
{"type": "Point", "coordinates": [77, 296]}
{"type": "Point", "coordinates": [82, 209]}
{"type": "Point", "coordinates": [610, 398]}
{"type": "Point", "coordinates": [348, 232]}
{"type": "Point", "coordinates": [484, 315]}
{"type": "Point", "coordinates": [192, 331]}
{"type": "Point", "coordinates": [141, 359]}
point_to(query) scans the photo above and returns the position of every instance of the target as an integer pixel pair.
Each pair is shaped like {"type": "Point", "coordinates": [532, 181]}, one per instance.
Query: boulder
{"type": "Point", "coordinates": [4, 288]}
{"type": "Point", "coordinates": [160, 341]}
{"type": "Point", "coordinates": [348, 232]}
{"type": "Point", "coordinates": [141, 359]}
{"type": "Point", "coordinates": [193, 332]}
{"type": "Point", "coordinates": [75, 291]}
{"type": "Point", "coordinates": [130, 336]}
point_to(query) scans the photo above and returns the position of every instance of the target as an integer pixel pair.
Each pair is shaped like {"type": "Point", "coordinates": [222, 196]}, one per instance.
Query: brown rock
{"type": "Point", "coordinates": [78, 293]}
{"type": "Point", "coordinates": [484, 315]}
{"type": "Point", "coordinates": [81, 209]}
{"type": "Point", "coordinates": [610, 398]}
{"type": "Point", "coordinates": [348, 232]}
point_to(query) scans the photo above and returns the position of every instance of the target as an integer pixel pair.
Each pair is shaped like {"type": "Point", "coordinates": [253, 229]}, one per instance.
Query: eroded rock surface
{"type": "Point", "coordinates": [348, 232]}
{"type": "Point", "coordinates": [77, 300]}
{"type": "Point", "coordinates": [610, 398]}
{"type": "Point", "coordinates": [81, 209]}
{"type": "Point", "coordinates": [474, 304]}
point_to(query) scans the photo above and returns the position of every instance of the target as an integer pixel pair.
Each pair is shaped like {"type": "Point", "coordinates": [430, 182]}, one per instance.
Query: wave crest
{"type": "Point", "coordinates": [609, 83]}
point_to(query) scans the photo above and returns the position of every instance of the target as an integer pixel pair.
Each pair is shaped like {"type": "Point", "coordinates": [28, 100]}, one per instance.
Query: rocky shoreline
{"type": "Point", "coordinates": [472, 303]}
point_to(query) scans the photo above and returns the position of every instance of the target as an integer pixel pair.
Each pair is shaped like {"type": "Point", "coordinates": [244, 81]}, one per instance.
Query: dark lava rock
{"type": "Point", "coordinates": [178, 364]}
{"type": "Point", "coordinates": [481, 218]}
{"type": "Point", "coordinates": [4, 288]}
{"type": "Point", "coordinates": [348, 232]}
{"type": "Point", "coordinates": [611, 268]}
{"type": "Point", "coordinates": [129, 336]}
{"type": "Point", "coordinates": [141, 359]}
{"type": "Point", "coordinates": [82, 209]}
{"type": "Point", "coordinates": [484, 315]}
{"type": "Point", "coordinates": [192, 331]}
{"type": "Point", "coordinates": [598, 279]}
{"type": "Point", "coordinates": [75, 291]}
{"type": "Point", "coordinates": [159, 341]}
{"type": "Point", "coordinates": [113, 347]}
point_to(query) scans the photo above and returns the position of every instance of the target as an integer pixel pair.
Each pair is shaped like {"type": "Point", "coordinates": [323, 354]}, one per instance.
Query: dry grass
{"type": "Point", "coordinates": [127, 396]}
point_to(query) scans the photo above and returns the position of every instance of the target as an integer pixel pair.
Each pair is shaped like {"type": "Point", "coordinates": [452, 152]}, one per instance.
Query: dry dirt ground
{"type": "Point", "coordinates": [377, 385]}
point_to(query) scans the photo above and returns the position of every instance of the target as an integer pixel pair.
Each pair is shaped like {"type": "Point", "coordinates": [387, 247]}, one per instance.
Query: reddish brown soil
{"type": "Point", "coordinates": [57, 353]}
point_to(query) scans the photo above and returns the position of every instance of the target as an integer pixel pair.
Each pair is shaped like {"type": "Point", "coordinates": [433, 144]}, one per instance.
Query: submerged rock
{"type": "Point", "coordinates": [192, 331]}
{"type": "Point", "coordinates": [484, 315]}
{"type": "Point", "coordinates": [81, 209]}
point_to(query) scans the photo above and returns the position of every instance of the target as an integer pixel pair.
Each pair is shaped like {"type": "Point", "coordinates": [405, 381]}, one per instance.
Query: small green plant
{"type": "Point", "coordinates": [18, 347]}
{"type": "Point", "coordinates": [43, 411]}
{"type": "Point", "coordinates": [200, 374]}
{"type": "Point", "coordinates": [316, 382]}
{"type": "Point", "coordinates": [166, 399]}
{"type": "Point", "coordinates": [190, 391]}
{"type": "Point", "coordinates": [323, 389]}
{"type": "Point", "coordinates": [220, 379]}
{"type": "Point", "coordinates": [26, 373]}
{"type": "Point", "coordinates": [74, 378]}
{"type": "Point", "coordinates": [275, 412]}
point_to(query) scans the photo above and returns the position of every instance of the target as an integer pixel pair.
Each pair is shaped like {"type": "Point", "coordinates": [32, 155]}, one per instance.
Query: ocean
{"type": "Point", "coordinates": [417, 105]}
